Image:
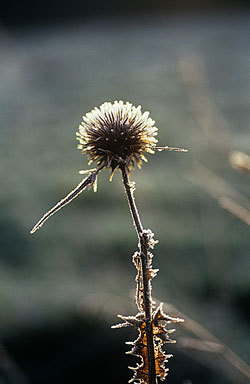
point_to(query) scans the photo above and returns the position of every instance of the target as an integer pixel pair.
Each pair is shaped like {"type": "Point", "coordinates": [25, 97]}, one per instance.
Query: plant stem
{"type": "Point", "coordinates": [147, 298]}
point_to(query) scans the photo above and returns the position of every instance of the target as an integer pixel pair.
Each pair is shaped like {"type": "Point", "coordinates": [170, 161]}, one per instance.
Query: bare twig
{"type": "Point", "coordinates": [89, 180]}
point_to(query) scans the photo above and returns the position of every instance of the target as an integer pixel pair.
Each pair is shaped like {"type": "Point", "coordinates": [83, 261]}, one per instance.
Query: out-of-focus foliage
{"type": "Point", "coordinates": [80, 262]}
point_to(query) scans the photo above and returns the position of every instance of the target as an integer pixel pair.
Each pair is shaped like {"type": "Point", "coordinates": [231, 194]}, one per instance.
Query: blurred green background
{"type": "Point", "coordinates": [61, 288]}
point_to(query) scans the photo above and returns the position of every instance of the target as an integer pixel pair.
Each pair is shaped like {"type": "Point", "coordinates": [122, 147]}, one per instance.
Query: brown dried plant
{"type": "Point", "coordinates": [116, 136]}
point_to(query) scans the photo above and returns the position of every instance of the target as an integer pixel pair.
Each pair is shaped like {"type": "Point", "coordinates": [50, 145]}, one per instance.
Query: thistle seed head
{"type": "Point", "coordinates": [117, 135]}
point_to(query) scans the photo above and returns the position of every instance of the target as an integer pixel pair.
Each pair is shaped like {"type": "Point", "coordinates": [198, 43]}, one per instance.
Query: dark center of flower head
{"type": "Point", "coordinates": [117, 135]}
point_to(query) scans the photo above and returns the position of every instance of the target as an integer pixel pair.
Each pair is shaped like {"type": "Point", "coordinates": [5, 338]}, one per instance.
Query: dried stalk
{"type": "Point", "coordinates": [116, 136]}
{"type": "Point", "coordinates": [147, 298]}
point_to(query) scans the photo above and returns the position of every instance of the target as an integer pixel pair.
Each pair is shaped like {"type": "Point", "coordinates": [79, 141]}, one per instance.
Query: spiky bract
{"type": "Point", "coordinates": [117, 134]}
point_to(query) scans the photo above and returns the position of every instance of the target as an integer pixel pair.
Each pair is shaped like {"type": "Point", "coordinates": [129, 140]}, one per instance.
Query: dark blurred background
{"type": "Point", "coordinates": [187, 62]}
{"type": "Point", "coordinates": [30, 13]}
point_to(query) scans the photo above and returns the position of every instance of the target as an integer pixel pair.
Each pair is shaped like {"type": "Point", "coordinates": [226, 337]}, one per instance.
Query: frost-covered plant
{"type": "Point", "coordinates": [117, 136]}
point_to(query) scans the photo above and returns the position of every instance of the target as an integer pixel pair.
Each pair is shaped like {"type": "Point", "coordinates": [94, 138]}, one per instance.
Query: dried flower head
{"type": "Point", "coordinates": [240, 161]}
{"type": "Point", "coordinates": [117, 134]}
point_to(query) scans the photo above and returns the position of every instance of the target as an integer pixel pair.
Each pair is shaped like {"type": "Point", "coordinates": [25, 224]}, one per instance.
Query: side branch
{"type": "Point", "coordinates": [90, 180]}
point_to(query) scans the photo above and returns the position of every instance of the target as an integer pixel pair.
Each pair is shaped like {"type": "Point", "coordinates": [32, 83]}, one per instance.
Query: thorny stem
{"type": "Point", "coordinates": [147, 298]}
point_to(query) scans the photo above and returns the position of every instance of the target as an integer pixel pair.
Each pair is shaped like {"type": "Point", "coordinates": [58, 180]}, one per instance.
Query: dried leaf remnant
{"type": "Point", "coordinates": [161, 336]}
